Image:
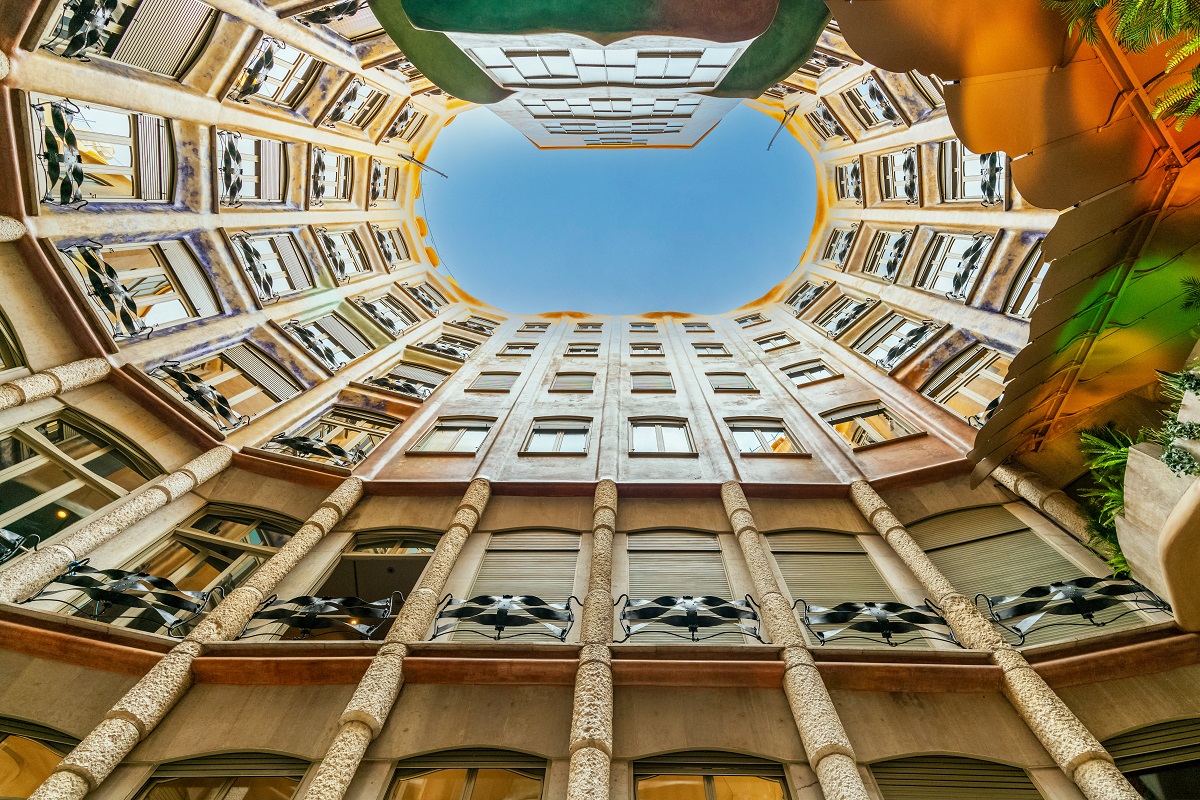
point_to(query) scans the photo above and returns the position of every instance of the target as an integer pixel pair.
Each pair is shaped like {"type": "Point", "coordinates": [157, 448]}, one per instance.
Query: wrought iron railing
{"type": "Point", "coordinates": [13, 543]}
{"type": "Point", "coordinates": [971, 260]}
{"type": "Point", "coordinates": [333, 13]}
{"type": "Point", "coordinates": [1079, 602]}
{"type": "Point", "coordinates": [201, 395]}
{"type": "Point", "coordinates": [315, 449]}
{"type": "Point", "coordinates": [498, 613]}
{"type": "Point", "coordinates": [337, 259]}
{"type": "Point", "coordinates": [378, 181]}
{"type": "Point", "coordinates": [134, 599]}
{"type": "Point", "coordinates": [391, 255]}
{"type": "Point", "coordinates": [693, 614]}
{"type": "Point", "coordinates": [60, 159]}
{"type": "Point", "coordinates": [342, 106]}
{"type": "Point", "coordinates": [443, 349]}
{"type": "Point", "coordinates": [313, 617]}
{"type": "Point", "coordinates": [230, 167]}
{"type": "Point", "coordinates": [980, 419]}
{"type": "Point", "coordinates": [889, 265]}
{"type": "Point", "coordinates": [402, 386]}
{"type": "Point", "coordinates": [372, 308]}
{"type": "Point", "coordinates": [252, 262]}
{"type": "Point", "coordinates": [317, 177]}
{"type": "Point", "coordinates": [893, 624]}
{"type": "Point", "coordinates": [803, 299]}
{"type": "Point", "coordinates": [253, 78]}
{"type": "Point", "coordinates": [104, 285]}
{"type": "Point", "coordinates": [89, 27]}
{"type": "Point", "coordinates": [908, 173]}
{"type": "Point", "coordinates": [319, 349]}
{"type": "Point", "coordinates": [907, 344]}
{"type": "Point", "coordinates": [398, 124]}
{"type": "Point", "coordinates": [991, 167]}
{"type": "Point", "coordinates": [474, 326]}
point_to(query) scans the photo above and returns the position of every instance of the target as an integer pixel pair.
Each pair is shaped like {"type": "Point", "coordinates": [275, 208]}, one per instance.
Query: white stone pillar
{"type": "Point", "coordinates": [145, 705]}
{"type": "Point", "coordinates": [24, 578]}
{"type": "Point", "coordinates": [1052, 502]}
{"type": "Point", "coordinates": [52, 382]}
{"type": "Point", "coordinates": [1072, 746]}
{"type": "Point", "coordinates": [825, 741]}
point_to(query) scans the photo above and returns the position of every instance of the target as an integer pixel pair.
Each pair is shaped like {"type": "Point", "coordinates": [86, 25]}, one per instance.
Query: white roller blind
{"type": "Point", "coordinates": [573, 382]}
{"type": "Point", "coordinates": [342, 333]}
{"type": "Point", "coordinates": [495, 381]}
{"type": "Point", "coordinates": [191, 279]}
{"type": "Point", "coordinates": [264, 373]}
{"type": "Point", "coordinates": [1156, 746]}
{"type": "Point", "coordinates": [677, 571]}
{"type": "Point", "coordinates": [293, 262]}
{"type": "Point", "coordinates": [652, 382]}
{"type": "Point", "coordinates": [964, 526]}
{"type": "Point", "coordinates": [417, 372]}
{"type": "Point", "coordinates": [163, 34]}
{"type": "Point", "coordinates": [270, 170]}
{"type": "Point", "coordinates": [154, 160]}
{"type": "Point", "coordinates": [952, 778]}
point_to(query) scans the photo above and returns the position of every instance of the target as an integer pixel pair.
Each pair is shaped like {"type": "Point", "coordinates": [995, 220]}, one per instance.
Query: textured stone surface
{"type": "Point", "coordinates": [62, 786]}
{"type": "Point", "coordinates": [935, 583]}
{"type": "Point", "coordinates": [340, 763]}
{"type": "Point", "coordinates": [595, 652]}
{"type": "Point", "coordinates": [1060, 731]}
{"type": "Point", "coordinates": [477, 496]}
{"type": "Point", "coordinates": [780, 622]}
{"type": "Point", "coordinates": [209, 463]}
{"type": "Point", "coordinates": [589, 775]}
{"type": "Point", "coordinates": [606, 495]}
{"type": "Point", "coordinates": [24, 578]}
{"type": "Point", "coordinates": [839, 778]}
{"type": "Point", "coordinates": [600, 576]}
{"type": "Point", "coordinates": [1035, 490]}
{"type": "Point", "coordinates": [100, 751]}
{"type": "Point", "coordinates": [592, 716]}
{"type": "Point", "coordinates": [37, 386]}
{"type": "Point", "coordinates": [345, 496]}
{"type": "Point", "coordinates": [415, 617]}
{"type": "Point", "coordinates": [796, 657]}
{"type": "Point", "coordinates": [10, 229]}
{"type": "Point", "coordinates": [225, 622]}
{"type": "Point", "coordinates": [377, 691]}
{"type": "Point", "coordinates": [971, 628]}
{"type": "Point", "coordinates": [277, 567]}
{"type": "Point", "coordinates": [757, 562]}
{"type": "Point", "coordinates": [149, 700]}
{"type": "Point", "coordinates": [80, 373]}
{"type": "Point", "coordinates": [445, 555]}
{"type": "Point", "coordinates": [816, 718]}
{"type": "Point", "coordinates": [1101, 780]}
{"type": "Point", "coordinates": [597, 624]}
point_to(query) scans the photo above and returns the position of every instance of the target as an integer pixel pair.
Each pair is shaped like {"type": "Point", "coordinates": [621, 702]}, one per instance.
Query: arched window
{"type": "Point", "coordinates": [469, 775]}
{"type": "Point", "coordinates": [28, 755]}
{"type": "Point", "coordinates": [380, 562]}
{"type": "Point", "coordinates": [1161, 761]}
{"type": "Point", "coordinates": [58, 470]}
{"type": "Point", "coordinates": [11, 356]}
{"type": "Point", "coordinates": [703, 775]}
{"type": "Point", "coordinates": [227, 776]}
{"type": "Point", "coordinates": [951, 778]}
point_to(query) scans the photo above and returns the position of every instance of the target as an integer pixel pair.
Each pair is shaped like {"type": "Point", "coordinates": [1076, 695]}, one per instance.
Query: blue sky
{"type": "Point", "coordinates": [619, 231]}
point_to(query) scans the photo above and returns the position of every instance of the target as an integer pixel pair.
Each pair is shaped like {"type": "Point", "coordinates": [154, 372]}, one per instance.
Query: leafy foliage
{"type": "Point", "coordinates": [1180, 461]}
{"type": "Point", "coordinates": [1191, 293]}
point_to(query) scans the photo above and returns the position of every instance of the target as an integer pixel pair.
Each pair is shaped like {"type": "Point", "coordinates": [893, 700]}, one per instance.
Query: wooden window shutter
{"type": "Point", "coordinates": [270, 170]}
{"type": "Point", "coordinates": [951, 778]}
{"type": "Point", "coordinates": [190, 277]}
{"type": "Point", "coordinates": [293, 262]}
{"type": "Point", "coordinates": [494, 381]}
{"type": "Point", "coordinates": [267, 375]}
{"type": "Point", "coordinates": [154, 162]}
{"type": "Point", "coordinates": [1156, 746]}
{"type": "Point", "coordinates": [652, 382]}
{"type": "Point", "coordinates": [342, 333]}
{"type": "Point", "coordinates": [573, 382]}
{"type": "Point", "coordinates": [163, 35]}
{"type": "Point", "coordinates": [416, 372]}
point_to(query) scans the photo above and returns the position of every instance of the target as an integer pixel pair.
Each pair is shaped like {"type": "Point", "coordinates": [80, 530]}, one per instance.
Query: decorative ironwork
{"type": "Point", "coordinates": [881, 101]}
{"type": "Point", "coordinates": [907, 344]}
{"type": "Point", "coordinates": [422, 165]}
{"type": "Point", "coordinates": [890, 263]}
{"type": "Point", "coordinates": [394, 384]}
{"type": "Point", "coordinates": [314, 616]}
{"type": "Point", "coordinates": [842, 244]}
{"type": "Point", "coordinates": [398, 124]}
{"type": "Point", "coordinates": [312, 447]}
{"type": "Point", "coordinates": [500, 612]}
{"type": "Point", "coordinates": [342, 106]}
{"type": "Point", "coordinates": [980, 419]}
{"type": "Point", "coordinates": [318, 177]}
{"type": "Point", "coordinates": [991, 169]}
{"type": "Point", "coordinates": [378, 181]}
{"type": "Point", "coordinates": [89, 26]}
{"type": "Point", "coordinates": [846, 318]}
{"type": "Point", "coordinates": [230, 167]}
{"type": "Point", "coordinates": [110, 594]}
{"type": "Point", "coordinates": [472, 325]}
{"type": "Point", "coordinates": [693, 613]}
{"type": "Point", "coordinates": [831, 122]}
{"type": "Point", "coordinates": [971, 260]}
{"type": "Point", "coordinates": [13, 543]}
{"type": "Point", "coordinates": [371, 307]}
{"type": "Point", "coordinates": [419, 294]}
{"type": "Point", "coordinates": [875, 621]}
{"type": "Point", "coordinates": [391, 255]}
{"type": "Point", "coordinates": [113, 296]}
{"type": "Point", "coordinates": [201, 395]}
{"type": "Point", "coordinates": [321, 350]}
{"type": "Point", "coordinates": [805, 297]}
{"type": "Point", "coordinates": [1084, 598]}
{"type": "Point", "coordinates": [253, 78]}
{"type": "Point", "coordinates": [854, 182]}
{"type": "Point", "coordinates": [253, 263]}
{"type": "Point", "coordinates": [338, 261]}
{"type": "Point", "coordinates": [908, 172]}
{"type": "Point", "coordinates": [443, 349]}
{"type": "Point", "coordinates": [60, 158]}
{"type": "Point", "coordinates": [333, 13]}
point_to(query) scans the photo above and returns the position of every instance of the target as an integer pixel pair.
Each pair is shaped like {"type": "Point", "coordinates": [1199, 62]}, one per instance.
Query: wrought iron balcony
{"type": "Point", "coordinates": [391, 256]}
{"type": "Point", "coordinates": [317, 176]}
{"type": "Point", "coordinates": [332, 13]}
{"type": "Point", "coordinates": [501, 612]}
{"type": "Point", "coordinates": [907, 344]}
{"type": "Point", "coordinates": [252, 261]}
{"type": "Point", "coordinates": [135, 599]}
{"type": "Point", "coordinates": [443, 349]}
{"type": "Point", "coordinates": [693, 614]}
{"type": "Point", "coordinates": [313, 617]}
{"type": "Point", "coordinates": [475, 326]}
{"type": "Point", "coordinates": [803, 299]}
{"type": "Point", "coordinates": [342, 106]}
{"type": "Point", "coordinates": [908, 173]}
{"type": "Point", "coordinates": [60, 159]}
{"type": "Point", "coordinates": [889, 265]}
{"type": "Point", "coordinates": [253, 78]}
{"type": "Point", "coordinates": [316, 449]}
{"type": "Point", "coordinates": [105, 287]}
{"type": "Point", "coordinates": [201, 395]}
{"type": "Point", "coordinates": [337, 259]}
{"type": "Point", "coordinates": [13, 544]}
{"type": "Point", "coordinates": [378, 182]}
{"type": "Point", "coordinates": [398, 124]}
{"type": "Point", "coordinates": [230, 167]}
{"type": "Point", "coordinates": [90, 27]}
{"type": "Point", "coordinates": [401, 386]}
{"type": "Point", "coordinates": [980, 419]}
{"type": "Point", "coordinates": [893, 624]}
{"type": "Point", "coordinates": [830, 122]}
{"type": "Point", "coordinates": [318, 348]}
{"type": "Point", "coordinates": [991, 177]}
{"type": "Point", "coordinates": [972, 258]}
{"type": "Point", "coordinates": [1073, 603]}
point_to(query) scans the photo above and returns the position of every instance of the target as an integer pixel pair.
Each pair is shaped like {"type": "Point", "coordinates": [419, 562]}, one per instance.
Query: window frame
{"type": "Point", "coordinates": [756, 426]}
{"type": "Point", "coordinates": [724, 349]}
{"type": "Point", "coordinates": [954, 376]}
{"type": "Point", "coordinates": [646, 350]}
{"type": "Point", "coordinates": [658, 423]}
{"type": "Point", "coordinates": [787, 339]}
{"type": "Point", "coordinates": [460, 422]}
{"type": "Point", "coordinates": [518, 349]}
{"type": "Point", "coordinates": [749, 388]}
{"type": "Point", "coordinates": [1031, 275]}
{"type": "Point", "coordinates": [799, 365]}
{"type": "Point", "coordinates": [574, 349]}
{"type": "Point", "coordinates": [591, 386]}
{"type": "Point", "coordinates": [835, 416]}
{"type": "Point", "coordinates": [472, 387]}
{"type": "Point", "coordinates": [562, 426]}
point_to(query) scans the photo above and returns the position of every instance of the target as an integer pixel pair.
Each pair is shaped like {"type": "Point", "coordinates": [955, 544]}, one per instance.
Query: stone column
{"type": "Point", "coordinates": [1072, 746]}
{"type": "Point", "coordinates": [52, 382]}
{"type": "Point", "coordinates": [24, 578]}
{"type": "Point", "coordinates": [825, 741]}
{"type": "Point", "coordinates": [1035, 490]}
{"type": "Point", "coordinates": [376, 693]}
{"type": "Point", "coordinates": [145, 705]}
{"type": "Point", "coordinates": [592, 715]}
{"type": "Point", "coordinates": [10, 229]}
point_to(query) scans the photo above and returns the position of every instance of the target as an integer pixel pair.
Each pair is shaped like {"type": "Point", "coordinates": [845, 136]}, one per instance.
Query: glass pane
{"type": "Point", "coordinates": [746, 787]}
{"type": "Point", "coordinates": [645, 439]}
{"type": "Point", "coordinates": [24, 764]}
{"type": "Point", "coordinates": [31, 483]}
{"type": "Point", "coordinates": [116, 468]}
{"type": "Point", "coordinates": [747, 441]}
{"type": "Point", "coordinates": [186, 789]}
{"type": "Point", "coordinates": [671, 787]}
{"type": "Point", "coordinates": [675, 439]}
{"type": "Point", "coordinates": [574, 442]}
{"type": "Point", "coordinates": [188, 568]}
{"type": "Point", "coordinates": [503, 784]}
{"type": "Point", "coordinates": [471, 439]}
{"type": "Point", "coordinates": [543, 441]}
{"type": "Point", "coordinates": [440, 439]}
{"type": "Point", "coordinates": [274, 788]}
{"type": "Point", "coordinates": [444, 784]}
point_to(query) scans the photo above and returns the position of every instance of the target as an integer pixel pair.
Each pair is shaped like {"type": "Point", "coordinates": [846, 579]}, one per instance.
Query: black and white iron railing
{"type": "Point", "coordinates": [490, 616]}
{"type": "Point", "coordinates": [991, 178]}
{"type": "Point", "coordinates": [314, 449]}
{"type": "Point", "coordinates": [401, 386]}
{"type": "Point", "coordinates": [313, 617]}
{"type": "Point", "coordinates": [890, 623]}
{"type": "Point", "coordinates": [907, 344]}
{"type": "Point", "coordinates": [105, 287]}
{"type": "Point", "coordinates": [443, 349]}
{"type": "Point", "coordinates": [60, 159]}
{"type": "Point", "coordinates": [253, 78]}
{"type": "Point", "coordinates": [332, 13]}
{"type": "Point", "coordinates": [317, 177]}
{"type": "Point", "coordinates": [701, 617]}
{"type": "Point", "coordinates": [204, 397]}
{"type": "Point", "coordinates": [13, 544]}
{"type": "Point", "coordinates": [89, 27]}
{"type": "Point", "coordinates": [252, 262]}
{"type": "Point", "coordinates": [337, 259]}
{"type": "Point", "coordinates": [331, 359]}
{"type": "Point", "coordinates": [972, 259]}
{"type": "Point", "coordinates": [230, 167]}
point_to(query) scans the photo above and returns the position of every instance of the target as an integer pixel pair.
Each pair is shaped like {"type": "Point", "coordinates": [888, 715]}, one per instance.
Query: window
{"type": "Point", "coordinates": [1160, 760]}
{"type": "Point", "coordinates": [558, 436]}
{"type": "Point", "coordinates": [413, 380]}
{"type": "Point", "coordinates": [494, 382]}
{"type": "Point", "coordinates": [357, 106]}
{"type": "Point", "coordinates": [970, 177]}
{"type": "Point", "coordinates": [392, 245]}
{"type": "Point", "coordinates": [330, 340]}
{"type": "Point", "coordinates": [344, 253]}
{"type": "Point", "coordinates": [573, 382]}
{"type": "Point", "coordinates": [155, 285]}
{"type": "Point", "coordinates": [450, 347]}
{"type": "Point", "coordinates": [289, 77]}
{"type": "Point", "coordinates": [762, 437]}
{"type": "Point", "coordinates": [535, 327]}
{"type": "Point", "coordinates": [774, 341]}
{"type": "Point", "coordinates": [583, 349]}
{"type": "Point", "coordinates": [660, 436]}
{"type": "Point", "coordinates": [868, 424]}
{"type": "Point", "coordinates": [273, 264]}
{"type": "Point", "coordinates": [478, 324]}
{"type": "Point", "coordinates": [518, 349]}
{"type": "Point", "coordinates": [250, 169]}
{"type": "Point", "coordinates": [848, 180]}
{"type": "Point", "coordinates": [730, 382]}
{"type": "Point", "coordinates": [91, 153]}
{"type": "Point", "coordinates": [870, 105]}
{"type": "Point", "coordinates": [708, 776]}
{"type": "Point", "coordinates": [1023, 296]}
{"type": "Point", "coordinates": [930, 87]}
{"type": "Point", "coordinates": [952, 262]}
{"type": "Point", "coordinates": [809, 372]}
{"type": "Point", "coordinates": [622, 108]}
{"type": "Point", "coordinates": [610, 66]}
{"type": "Point", "coordinates": [388, 311]}
{"type": "Point", "coordinates": [230, 387]}
{"type": "Point", "coordinates": [454, 436]}
{"type": "Point", "coordinates": [697, 327]}
{"type": "Point", "coordinates": [26, 761]}
{"type": "Point", "coordinates": [11, 356]}
{"type": "Point", "coordinates": [646, 349]}
{"type": "Point", "coordinates": [805, 294]}
{"type": "Point", "coordinates": [496, 775]}
{"type": "Point", "coordinates": [341, 437]}
{"type": "Point", "coordinates": [56, 471]}
{"type": "Point", "coordinates": [710, 349]}
{"type": "Point", "coordinates": [886, 254]}
{"type": "Point", "coordinates": [944, 776]}
{"type": "Point", "coordinates": [893, 338]}
{"type": "Point", "coordinates": [750, 320]}
{"type": "Point", "coordinates": [429, 298]}
{"type": "Point", "coordinates": [385, 182]}
{"type": "Point", "coordinates": [643, 327]}
{"type": "Point", "coordinates": [407, 123]}
{"type": "Point", "coordinates": [837, 249]}
{"type": "Point", "coordinates": [825, 123]}
{"type": "Point", "coordinates": [653, 382]}
{"type": "Point", "coordinates": [677, 563]}
{"type": "Point", "coordinates": [589, 327]}
{"type": "Point", "coordinates": [971, 384]}
{"type": "Point", "coordinates": [898, 176]}
{"type": "Point", "coordinates": [842, 314]}
{"type": "Point", "coordinates": [331, 175]}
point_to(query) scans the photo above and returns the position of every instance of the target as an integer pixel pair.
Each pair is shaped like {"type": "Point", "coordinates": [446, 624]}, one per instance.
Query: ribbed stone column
{"type": "Point", "coordinates": [52, 382]}
{"type": "Point", "coordinates": [1072, 746]}
{"type": "Point", "coordinates": [1052, 502]}
{"type": "Point", "coordinates": [145, 705]}
{"type": "Point", "coordinates": [825, 741]}
{"type": "Point", "coordinates": [592, 715]}
{"type": "Point", "coordinates": [376, 693]}
{"type": "Point", "coordinates": [26, 577]}
{"type": "Point", "coordinates": [10, 229]}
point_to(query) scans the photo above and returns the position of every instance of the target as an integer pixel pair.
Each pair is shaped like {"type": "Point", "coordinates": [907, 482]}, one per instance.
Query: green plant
{"type": "Point", "coordinates": [1106, 451]}
{"type": "Point", "coordinates": [1191, 293]}
{"type": "Point", "coordinates": [1180, 461]}
{"type": "Point", "coordinates": [1139, 25]}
